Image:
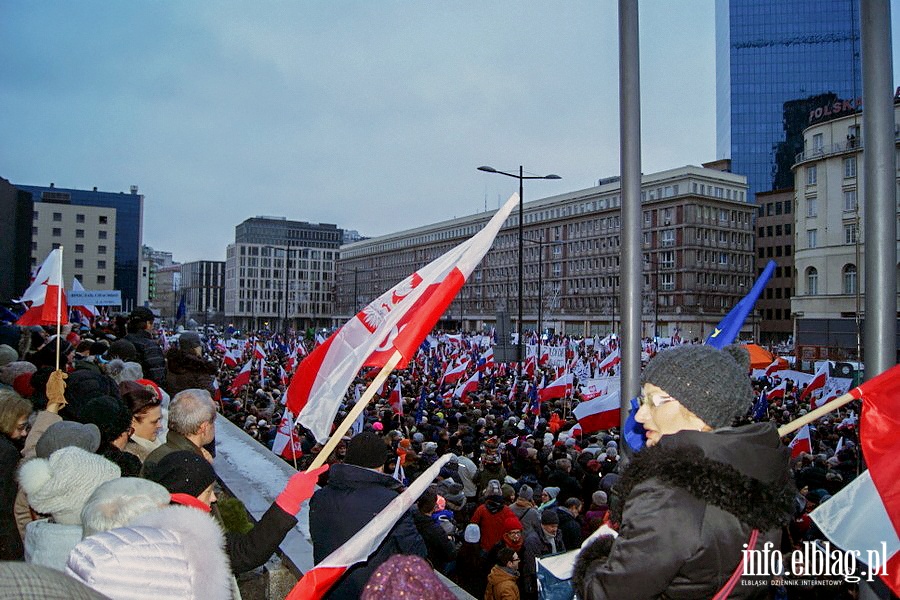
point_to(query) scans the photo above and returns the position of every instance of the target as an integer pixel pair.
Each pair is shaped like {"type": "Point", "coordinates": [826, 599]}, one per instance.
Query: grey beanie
{"type": "Point", "coordinates": [599, 498]}
{"type": "Point", "coordinates": [8, 354]}
{"type": "Point", "coordinates": [711, 383]}
{"type": "Point", "coordinates": [68, 433]}
{"type": "Point", "coordinates": [553, 492]}
{"type": "Point", "coordinates": [189, 339]}
{"type": "Point", "coordinates": [526, 493]}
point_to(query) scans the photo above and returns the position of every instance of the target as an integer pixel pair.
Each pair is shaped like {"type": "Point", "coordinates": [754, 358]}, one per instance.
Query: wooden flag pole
{"type": "Point", "coordinates": [815, 414]}
{"type": "Point", "coordinates": [356, 411]}
{"type": "Point", "coordinates": [59, 307]}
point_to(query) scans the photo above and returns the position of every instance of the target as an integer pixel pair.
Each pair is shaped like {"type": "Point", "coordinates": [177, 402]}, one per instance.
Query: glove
{"type": "Point", "coordinates": [56, 390]}
{"type": "Point", "coordinates": [300, 487]}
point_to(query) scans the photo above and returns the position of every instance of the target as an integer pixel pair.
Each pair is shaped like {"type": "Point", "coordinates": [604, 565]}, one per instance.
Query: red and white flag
{"type": "Point", "coordinates": [512, 390]}
{"type": "Point", "coordinates": [835, 387]}
{"type": "Point", "coordinates": [455, 373]}
{"type": "Point", "coordinates": [778, 391]}
{"type": "Point", "coordinates": [801, 443]}
{"type": "Point", "coordinates": [558, 388]}
{"type": "Point", "coordinates": [818, 380]}
{"type": "Point", "coordinates": [89, 311]}
{"type": "Point", "coordinates": [396, 321]}
{"type": "Point", "coordinates": [600, 413]}
{"type": "Point", "coordinates": [395, 399]}
{"type": "Point", "coordinates": [232, 357]}
{"type": "Point", "coordinates": [317, 581]}
{"type": "Point", "coordinates": [258, 352]}
{"type": "Point", "coordinates": [779, 364]}
{"type": "Point", "coordinates": [241, 379]}
{"type": "Point", "coordinates": [611, 360]}
{"type": "Point", "coordinates": [287, 443]}
{"type": "Point", "coordinates": [217, 392]}
{"type": "Point", "coordinates": [865, 515]}
{"type": "Point", "coordinates": [467, 387]}
{"type": "Point", "coordinates": [285, 378]}
{"type": "Point", "coordinates": [45, 298]}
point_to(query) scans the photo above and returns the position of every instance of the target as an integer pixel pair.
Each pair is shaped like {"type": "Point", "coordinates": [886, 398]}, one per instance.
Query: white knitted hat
{"type": "Point", "coordinates": [60, 485]}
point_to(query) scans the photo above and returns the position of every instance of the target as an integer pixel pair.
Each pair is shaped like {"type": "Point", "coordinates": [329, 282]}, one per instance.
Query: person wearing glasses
{"type": "Point", "coordinates": [501, 583]}
{"type": "Point", "coordinates": [699, 493]}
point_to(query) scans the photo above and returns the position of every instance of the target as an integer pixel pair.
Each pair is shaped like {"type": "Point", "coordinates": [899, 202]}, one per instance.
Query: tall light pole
{"type": "Point", "coordinates": [521, 177]}
{"type": "Point", "coordinates": [540, 312]}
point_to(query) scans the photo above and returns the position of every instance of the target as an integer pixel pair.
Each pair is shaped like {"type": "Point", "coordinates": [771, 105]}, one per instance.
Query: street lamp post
{"type": "Point", "coordinates": [540, 311]}
{"type": "Point", "coordinates": [521, 177]}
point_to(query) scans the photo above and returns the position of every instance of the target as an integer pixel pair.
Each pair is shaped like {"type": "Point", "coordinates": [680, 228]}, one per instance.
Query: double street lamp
{"type": "Point", "coordinates": [521, 177]}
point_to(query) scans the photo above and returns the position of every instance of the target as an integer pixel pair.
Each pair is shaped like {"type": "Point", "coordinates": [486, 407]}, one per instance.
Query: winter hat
{"type": "Point", "coordinates": [68, 433]}
{"type": "Point", "coordinates": [553, 492]}
{"type": "Point", "coordinates": [550, 517]}
{"type": "Point", "coordinates": [472, 534]}
{"type": "Point", "coordinates": [81, 386]}
{"type": "Point", "coordinates": [599, 498]}
{"type": "Point", "coordinates": [182, 472]}
{"type": "Point", "coordinates": [711, 383]}
{"type": "Point", "coordinates": [368, 450]}
{"type": "Point", "coordinates": [8, 354]}
{"type": "Point", "coordinates": [121, 371]}
{"type": "Point", "coordinates": [378, 426]}
{"type": "Point", "coordinates": [405, 576]}
{"type": "Point", "coordinates": [142, 313]}
{"type": "Point", "coordinates": [117, 502]}
{"type": "Point", "coordinates": [526, 493]}
{"type": "Point", "coordinates": [418, 437]}
{"type": "Point", "coordinates": [109, 414]}
{"type": "Point", "coordinates": [10, 371]}
{"type": "Point", "coordinates": [429, 448]}
{"type": "Point", "coordinates": [60, 485]}
{"type": "Point", "coordinates": [493, 488]}
{"type": "Point", "coordinates": [507, 490]}
{"type": "Point", "coordinates": [511, 523]}
{"type": "Point", "coordinates": [22, 385]}
{"type": "Point", "coordinates": [121, 349]}
{"type": "Point", "coordinates": [189, 340]}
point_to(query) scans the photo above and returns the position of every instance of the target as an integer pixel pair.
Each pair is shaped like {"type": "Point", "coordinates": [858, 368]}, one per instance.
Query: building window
{"type": "Point", "coordinates": [101, 264]}
{"type": "Point", "coordinates": [849, 279]}
{"type": "Point", "coordinates": [811, 175]}
{"type": "Point", "coordinates": [667, 237]}
{"type": "Point", "coordinates": [79, 263]}
{"type": "Point", "coordinates": [34, 231]}
{"type": "Point", "coordinates": [101, 249]}
{"type": "Point", "coordinates": [33, 246]}
{"type": "Point", "coordinates": [103, 220]}
{"type": "Point", "coordinates": [812, 281]}
{"type": "Point", "coordinates": [57, 232]}
{"type": "Point", "coordinates": [101, 279]}
{"type": "Point", "coordinates": [849, 200]}
{"type": "Point", "coordinates": [34, 216]}
{"type": "Point", "coordinates": [817, 142]}
{"type": "Point", "coordinates": [849, 167]}
{"type": "Point", "coordinates": [79, 248]}
{"type": "Point", "coordinates": [57, 217]}
{"type": "Point", "coordinates": [787, 207]}
{"type": "Point", "coordinates": [811, 235]}
{"type": "Point", "coordinates": [850, 234]}
{"type": "Point", "coordinates": [101, 235]}
{"type": "Point", "coordinates": [79, 233]}
{"type": "Point", "coordinates": [812, 207]}
{"type": "Point", "coordinates": [79, 218]}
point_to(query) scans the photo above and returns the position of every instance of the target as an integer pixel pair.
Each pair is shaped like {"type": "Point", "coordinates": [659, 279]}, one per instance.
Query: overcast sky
{"type": "Point", "coordinates": [372, 115]}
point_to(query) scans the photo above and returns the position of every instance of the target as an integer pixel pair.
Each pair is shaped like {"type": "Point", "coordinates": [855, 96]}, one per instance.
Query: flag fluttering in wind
{"type": "Point", "coordinates": [241, 379]}
{"type": "Point", "coordinates": [90, 312]}
{"type": "Point", "coordinates": [182, 310]}
{"type": "Point", "coordinates": [395, 399]}
{"type": "Point", "coordinates": [287, 443]}
{"type": "Point", "coordinates": [468, 386]}
{"type": "Point", "coordinates": [729, 327]}
{"type": "Point", "coordinates": [801, 443]}
{"type": "Point", "coordinates": [818, 380]}
{"type": "Point", "coordinates": [45, 298]}
{"type": "Point", "coordinates": [600, 413]}
{"type": "Point", "coordinates": [611, 360]}
{"type": "Point", "coordinates": [395, 322]}
{"type": "Point", "coordinates": [558, 388]}
{"type": "Point", "coordinates": [316, 582]}
{"type": "Point", "coordinates": [455, 373]}
{"type": "Point", "coordinates": [865, 515]}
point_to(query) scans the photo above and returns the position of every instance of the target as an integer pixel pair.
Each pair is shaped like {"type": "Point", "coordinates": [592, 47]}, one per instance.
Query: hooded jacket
{"type": "Point", "coordinates": [501, 585]}
{"type": "Point", "coordinates": [352, 498]}
{"type": "Point", "coordinates": [150, 355]}
{"type": "Point", "coordinates": [186, 371]}
{"type": "Point", "coordinates": [690, 504]}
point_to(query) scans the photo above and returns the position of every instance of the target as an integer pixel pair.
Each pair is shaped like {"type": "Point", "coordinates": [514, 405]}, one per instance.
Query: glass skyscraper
{"type": "Point", "coordinates": [776, 60]}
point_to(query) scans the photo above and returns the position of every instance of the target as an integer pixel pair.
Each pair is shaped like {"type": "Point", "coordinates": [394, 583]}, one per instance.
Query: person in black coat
{"type": "Point", "coordinates": [691, 500]}
{"type": "Point", "coordinates": [14, 413]}
{"type": "Point", "coordinates": [148, 352]}
{"type": "Point", "coordinates": [569, 526]}
{"type": "Point", "coordinates": [441, 548]}
{"type": "Point", "coordinates": [356, 491]}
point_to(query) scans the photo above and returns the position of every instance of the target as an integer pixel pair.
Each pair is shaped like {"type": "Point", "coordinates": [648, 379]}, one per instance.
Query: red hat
{"type": "Point", "coordinates": [22, 385]}
{"type": "Point", "coordinates": [511, 523]}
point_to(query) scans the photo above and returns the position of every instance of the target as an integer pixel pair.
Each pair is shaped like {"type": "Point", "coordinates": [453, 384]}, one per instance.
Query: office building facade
{"type": "Point", "coordinates": [279, 274]}
{"type": "Point", "coordinates": [203, 290]}
{"type": "Point", "coordinates": [697, 242]}
{"type": "Point", "coordinates": [775, 241]}
{"type": "Point", "coordinates": [17, 209]}
{"type": "Point", "coordinates": [775, 59]}
{"type": "Point", "coordinates": [126, 247]}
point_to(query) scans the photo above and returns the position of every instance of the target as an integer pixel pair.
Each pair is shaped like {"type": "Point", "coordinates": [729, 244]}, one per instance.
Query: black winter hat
{"type": "Point", "coordinates": [182, 472]}
{"type": "Point", "coordinates": [121, 349]}
{"type": "Point", "coordinates": [367, 449]}
{"type": "Point", "coordinates": [711, 383]}
{"type": "Point", "coordinates": [550, 517]}
{"type": "Point", "coordinates": [109, 414]}
{"type": "Point", "coordinates": [81, 386]}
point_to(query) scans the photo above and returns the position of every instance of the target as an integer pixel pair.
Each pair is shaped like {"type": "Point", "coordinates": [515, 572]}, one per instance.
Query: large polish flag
{"type": "Point", "coordinates": [818, 380]}
{"type": "Point", "coordinates": [231, 357]}
{"type": "Point", "coordinates": [287, 443]}
{"type": "Point", "coordinates": [558, 388]}
{"type": "Point", "coordinates": [778, 391]}
{"type": "Point", "coordinates": [316, 582]}
{"type": "Point", "coordinates": [241, 379]}
{"type": "Point", "coordinates": [45, 298]}
{"type": "Point", "coordinates": [612, 359]}
{"type": "Point", "coordinates": [801, 443]}
{"type": "Point", "coordinates": [600, 413]}
{"type": "Point", "coordinates": [865, 515]}
{"type": "Point", "coordinates": [396, 321]}
{"type": "Point", "coordinates": [455, 373]}
{"type": "Point", "coordinates": [467, 387]}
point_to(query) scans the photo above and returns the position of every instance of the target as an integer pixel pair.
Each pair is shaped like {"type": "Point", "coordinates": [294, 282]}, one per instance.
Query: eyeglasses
{"type": "Point", "coordinates": [23, 426]}
{"type": "Point", "coordinates": [655, 399]}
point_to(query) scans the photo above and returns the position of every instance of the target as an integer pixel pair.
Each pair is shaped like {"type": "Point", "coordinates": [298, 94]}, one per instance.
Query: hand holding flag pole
{"type": "Point", "coordinates": [56, 384]}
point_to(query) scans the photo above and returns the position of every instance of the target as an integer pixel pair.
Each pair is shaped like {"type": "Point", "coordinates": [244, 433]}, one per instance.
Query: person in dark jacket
{"type": "Point", "coordinates": [147, 350]}
{"type": "Point", "coordinates": [569, 526]}
{"type": "Point", "coordinates": [691, 500]}
{"type": "Point", "coordinates": [14, 413]}
{"type": "Point", "coordinates": [545, 542]}
{"type": "Point", "coordinates": [356, 491]}
{"type": "Point", "coordinates": [186, 367]}
{"type": "Point", "coordinates": [441, 548]}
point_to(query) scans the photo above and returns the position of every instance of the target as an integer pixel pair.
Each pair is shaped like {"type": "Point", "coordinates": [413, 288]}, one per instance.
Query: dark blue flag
{"type": "Point", "coordinates": [727, 330]}
{"type": "Point", "coordinates": [182, 309]}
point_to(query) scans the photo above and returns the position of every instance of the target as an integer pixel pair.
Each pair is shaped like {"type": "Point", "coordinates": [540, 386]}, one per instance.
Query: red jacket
{"type": "Point", "coordinates": [491, 525]}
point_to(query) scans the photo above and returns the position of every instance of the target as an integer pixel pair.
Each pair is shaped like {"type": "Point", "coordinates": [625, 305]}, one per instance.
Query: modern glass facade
{"type": "Point", "coordinates": [129, 225]}
{"type": "Point", "coordinates": [777, 60]}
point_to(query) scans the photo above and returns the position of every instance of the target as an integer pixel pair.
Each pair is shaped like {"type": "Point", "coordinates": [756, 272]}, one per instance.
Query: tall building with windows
{"type": "Point", "coordinates": [280, 273]}
{"type": "Point", "coordinates": [697, 244]}
{"type": "Point", "coordinates": [17, 209]}
{"type": "Point", "coordinates": [775, 59]}
{"type": "Point", "coordinates": [123, 241]}
{"type": "Point", "coordinates": [775, 241]}
{"type": "Point", "coordinates": [203, 289]}
{"type": "Point", "coordinates": [829, 241]}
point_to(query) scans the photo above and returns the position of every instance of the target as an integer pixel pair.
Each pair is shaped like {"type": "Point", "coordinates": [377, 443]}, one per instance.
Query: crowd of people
{"type": "Point", "coordinates": [116, 471]}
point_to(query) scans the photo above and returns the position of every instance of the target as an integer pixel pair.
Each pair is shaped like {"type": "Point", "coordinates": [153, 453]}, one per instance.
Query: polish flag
{"type": "Point", "coordinates": [241, 379]}
{"type": "Point", "coordinates": [865, 515]}
{"type": "Point", "coordinates": [217, 392]}
{"type": "Point", "coordinates": [395, 399]}
{"type": "Point", "coordinates": [88, 310]}
{"type": "Point", "coordinates": [545, 355]}
{"type": "Point", "coordinates": [600, 413]}
{"type": "Point", "coordinates": [818, 380]}
{"type": "Point", "coordinates": [45, 298]}
{"type": "Point", "coordinates": [395, 322]}
{"type": "Point", "coordinates": [530, 366]}
{"type": "Point", "coordinates": [467, 387]}
{"type": "Point", "coordinates": [558, 388]}
{"type": "Point", "coordinates": [454, 374]}
{"type": "Point", "coordinates": [779, 364]}
{"type": "Point", "coordinates": [231, 357]}
{"type": "Point", "coordinates": [287, 443]}
{"type": "Point", "coordinates": [285, 378]}
{"type": "Point", "coordinates": [513, 389]}
{"type": "Point", "coordinates": [486, 361]}
{"type": "Point", "coordinates": [835, 387]}
{"type": "Point", "coordinates": [801, 443]}
{"type": "Point", "coordinates": [611, 360]}
{"type": "Point", "coordinates": [258, 352]}
{"type": "Point", "coordinates": [778, 391]}
{"type": "Point", "coordinates": [317, 581]}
